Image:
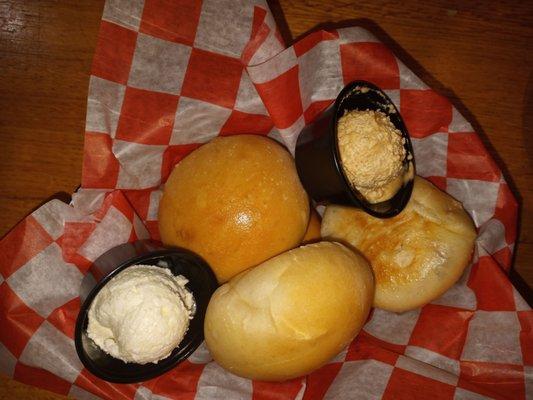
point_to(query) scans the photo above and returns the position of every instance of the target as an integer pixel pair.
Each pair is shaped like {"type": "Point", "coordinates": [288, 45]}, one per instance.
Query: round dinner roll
{"type": "Point", "coordinates": [417, 255]}
{"type": "Point", "coordinates": [291, 314]}
{"type": "Point", "coordinates": [312, 234]}
{"type": "Point", "coordinates": [236, 201]}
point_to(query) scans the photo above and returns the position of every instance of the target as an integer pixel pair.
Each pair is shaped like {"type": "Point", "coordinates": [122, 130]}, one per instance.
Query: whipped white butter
{"type": "Point", "coordinates": [141, 314]}
{"type": "Point", "coordinates": [372, 154]}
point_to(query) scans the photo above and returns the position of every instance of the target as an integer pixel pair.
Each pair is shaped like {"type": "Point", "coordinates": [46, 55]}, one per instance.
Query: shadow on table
{"type": "Point", "coordinates": [519, 283]}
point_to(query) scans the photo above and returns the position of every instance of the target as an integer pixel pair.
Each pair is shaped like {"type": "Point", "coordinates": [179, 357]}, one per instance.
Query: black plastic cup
{"type": "Point", "coordinates": [318, 159]}
{"type": "Point", "coordinates": [202, 283]}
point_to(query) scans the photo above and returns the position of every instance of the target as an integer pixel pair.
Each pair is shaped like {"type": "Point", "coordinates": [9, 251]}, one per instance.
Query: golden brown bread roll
{"type": "Point", "coordinates": [236, 201]}
{"type": "Point", "coordinates": [417, 255]}
{"type": "Point", "coordinates": [291, 314]}
{"type": "Point", "coordinates": [312, 234]}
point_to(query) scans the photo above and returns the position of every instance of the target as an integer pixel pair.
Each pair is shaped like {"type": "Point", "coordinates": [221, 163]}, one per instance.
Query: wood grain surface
{"type": "Point", "coordinates": [478, 53]}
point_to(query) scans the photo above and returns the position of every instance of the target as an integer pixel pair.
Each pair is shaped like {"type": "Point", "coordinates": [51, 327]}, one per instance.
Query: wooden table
{"type": "Point", "coordinates": [479, 54]}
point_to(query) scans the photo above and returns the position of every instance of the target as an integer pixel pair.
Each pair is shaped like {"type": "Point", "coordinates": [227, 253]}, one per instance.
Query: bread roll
{"type": "Point", "coordinates": [312, 234]}
{"type": "Point", "coordinates": [291, 314]}
{"type": "Point", "coordinates": [236, 201]}
{"type": "Point", "coordinates": [417, 255]}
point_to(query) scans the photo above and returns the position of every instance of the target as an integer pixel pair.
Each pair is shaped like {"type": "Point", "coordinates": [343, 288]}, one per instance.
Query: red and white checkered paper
{"type": "Point", "coordinates": [169, 75]}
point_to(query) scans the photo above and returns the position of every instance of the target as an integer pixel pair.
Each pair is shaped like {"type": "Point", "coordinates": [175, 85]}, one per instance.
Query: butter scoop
{"type": "Point", "coordinates": [141, 315]}
{"type": "Point", "coordinates": [181, 284]}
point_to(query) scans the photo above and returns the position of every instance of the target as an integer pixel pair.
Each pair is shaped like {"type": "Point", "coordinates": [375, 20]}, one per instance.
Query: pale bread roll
{"type": "Point", "coordinates": [312, 234]}
{"type": "Point", "coordinates": [236, 201]}
{"type": "Point", "coordinates": [291, 314]}
{"type": "Point", "coordinates": [417, 255]}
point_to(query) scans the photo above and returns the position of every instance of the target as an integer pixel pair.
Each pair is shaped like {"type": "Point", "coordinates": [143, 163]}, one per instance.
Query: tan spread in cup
{"type": "Point", "coordinates": [372, 153]}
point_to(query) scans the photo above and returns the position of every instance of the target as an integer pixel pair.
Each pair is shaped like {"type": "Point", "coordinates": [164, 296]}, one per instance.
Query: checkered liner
{"type": "Point", "coordinates": [169, 75]}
